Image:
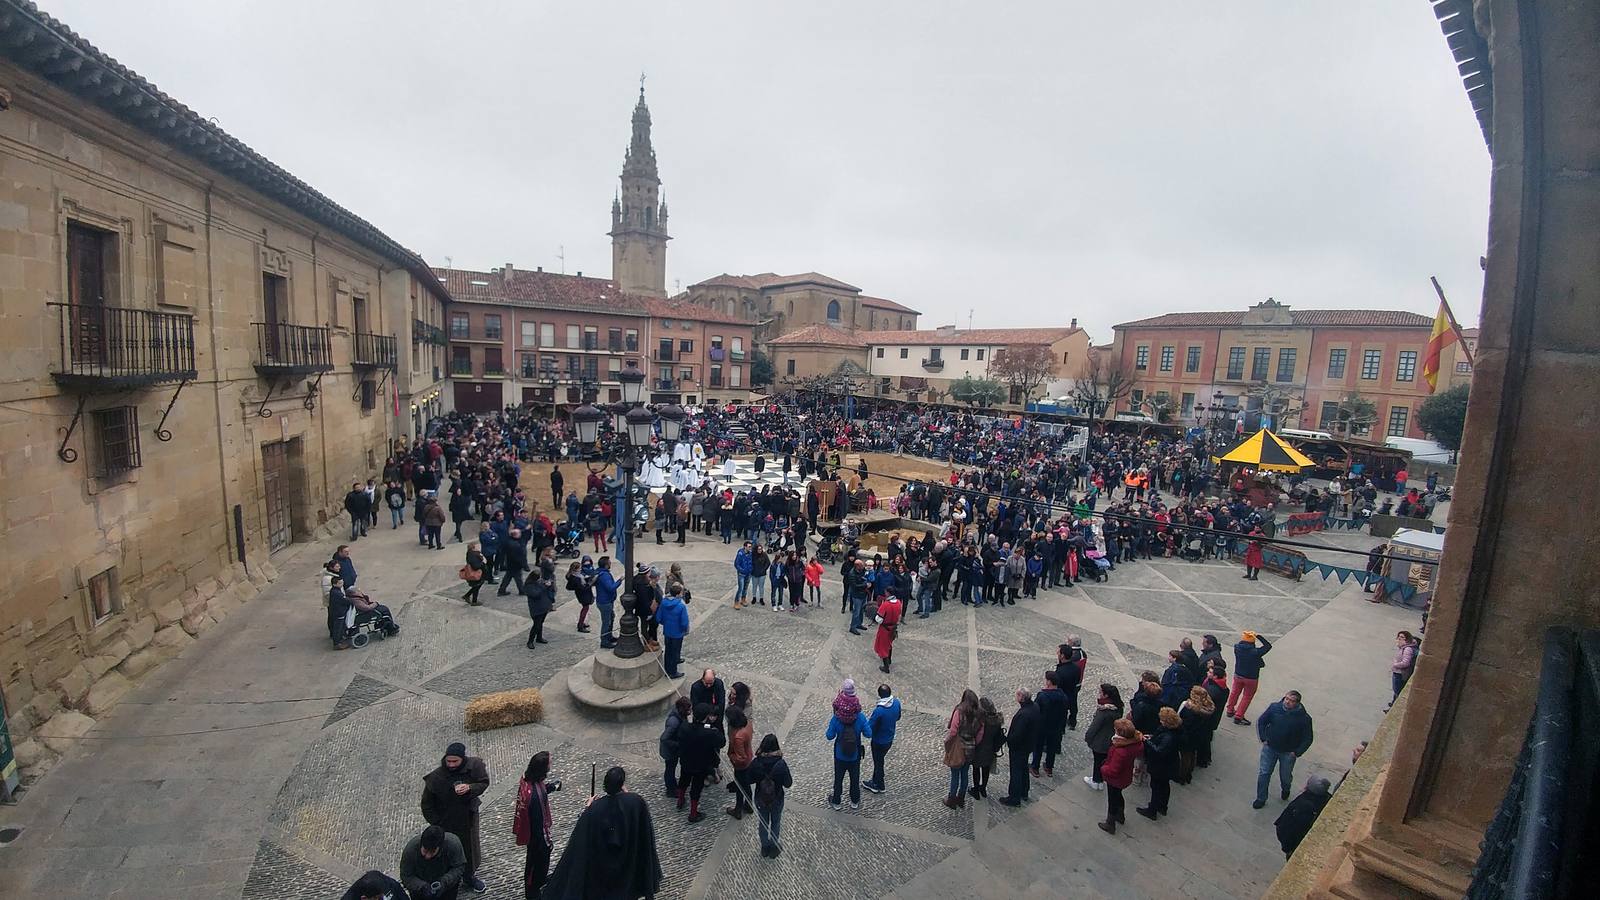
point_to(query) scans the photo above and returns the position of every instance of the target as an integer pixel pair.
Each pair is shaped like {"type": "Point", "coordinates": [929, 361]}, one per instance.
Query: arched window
{"type": "Point", "coordinates": [791, 307]}
{"type": "Point", "coordinates": [833, 310]}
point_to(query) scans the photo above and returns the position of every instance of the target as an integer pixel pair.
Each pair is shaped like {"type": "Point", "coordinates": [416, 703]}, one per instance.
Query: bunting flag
{"type": "Point", "coordinates": [1442, 336]}
{"type": "Point", "coordinates": [1296, 565]}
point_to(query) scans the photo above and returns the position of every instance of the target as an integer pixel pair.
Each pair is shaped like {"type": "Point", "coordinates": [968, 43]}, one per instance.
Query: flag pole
{"type": "Point", "coordinates": [1454, 325]}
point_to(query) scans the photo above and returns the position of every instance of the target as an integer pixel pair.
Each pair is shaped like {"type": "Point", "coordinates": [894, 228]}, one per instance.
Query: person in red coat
{"type": "Point", "coordinates": [1127, 745]}
{"type": "Point", "coordinates": [888, 618]}
{"type": "Point", "coordinates": [1252, 556]}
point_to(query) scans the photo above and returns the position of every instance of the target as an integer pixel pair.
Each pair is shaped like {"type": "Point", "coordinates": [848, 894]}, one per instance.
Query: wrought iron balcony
{"type": "Point", "coordinates": [374, 351]}
{"type": "Point", "coordinates": [933, 363]}
{"type": "Point", "coordinates": [736, 355]}
{"type": "Point", "coordinates": [716, 381]}
{"type": "Point", "coordinates": [715, 354]}
{"type": "Point", "coordinates": [292, 350]}
{"type": "Point", "coordinates": [664, 384]}
{"type": "Point", "coordinates": [460, 367]}
{"type": "Point", "coordinates": [111, 347]}
{"type": "Point", "coordinates": [661, 355]}
{"type": "Point", "coordinates": [423, 333]}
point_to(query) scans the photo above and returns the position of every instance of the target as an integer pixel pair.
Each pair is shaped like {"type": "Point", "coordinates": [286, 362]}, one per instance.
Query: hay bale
{"type": "Point", "coordinates": [504, 709]}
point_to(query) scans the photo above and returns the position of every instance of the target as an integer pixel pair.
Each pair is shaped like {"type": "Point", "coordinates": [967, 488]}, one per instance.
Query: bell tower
{"type": "Point", "coordinates": [639, 215]}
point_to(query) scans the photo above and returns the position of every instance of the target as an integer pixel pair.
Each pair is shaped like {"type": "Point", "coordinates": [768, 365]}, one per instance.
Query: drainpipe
{"type": "Point", "coordinates": [212, 304]}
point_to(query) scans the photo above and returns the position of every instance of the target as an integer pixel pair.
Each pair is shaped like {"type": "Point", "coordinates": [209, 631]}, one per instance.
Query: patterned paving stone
{"type": "Point", "coordinates": [924, 674]}
{"type": "Point", "coordinates": [1020, 628]}
{"type": "Point", "coordinates": [812, 866]}
{"type": "Point", "coordinates": [354, 794]}
{"type": "Point", "coordinates": [1168, 608]}
{"type": "Point", "coordinates": [914, 772]}
{"type": "Point", "coordinates": [434, 634]}
{"type": "Point", "coordinates": [280, 874]}
{"type": "Point", "coordinates": [1141, 660]}
{"type": "Point", "coordinates": [510, 665]}
{"type": "Point", "coordinates": [948, 624]}
{"type": "Point", "coordinates": [358, 695]}
{"type": "Point", "coordinates": [781, 645]}
{"type": "Point", "coordinates": [1272, 616]}
{"type": "Point", "coordinates": [443, 578]}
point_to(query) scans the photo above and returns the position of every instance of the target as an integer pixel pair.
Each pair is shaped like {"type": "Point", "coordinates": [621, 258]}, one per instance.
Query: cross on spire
{"type": "Point", "coordinates": [641, 84]}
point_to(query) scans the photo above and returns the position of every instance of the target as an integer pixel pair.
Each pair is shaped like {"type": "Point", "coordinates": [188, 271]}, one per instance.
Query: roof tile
{"type": "Point", "coordinates": [1000, 336]}
{"type": "Point", "coordinates": [821, 334]}
{"type": "Point", "coordinates": [1326, 318]}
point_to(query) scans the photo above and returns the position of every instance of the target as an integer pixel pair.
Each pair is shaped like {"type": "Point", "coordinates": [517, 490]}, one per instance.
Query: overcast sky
{"type": "Point", "coordinates": [1052, 160]}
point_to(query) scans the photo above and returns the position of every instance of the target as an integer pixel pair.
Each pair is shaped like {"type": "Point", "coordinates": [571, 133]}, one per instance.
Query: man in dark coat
{"type": "Point", "coordinates": [612, 851]}
{"type": "Point", "coordinates": [375, 885]}
{"type": "Point", "coordinates": [1297, 818]}
{"type": "Point", "coordinates": [514, 556]}
{"type": "Point", "coordinates": [1070, 663]}
{"type": "Point", "coordinates": [433, 857]}
{"type": "Point", "coordinates": [1191, 660]}
{"type": "Point", "coordinates": [450, 800]}
{"type": "Point", "coordinates": [1052, 704]}
{"type": "Point", "coordinates": [358, 503]}
{"type": "Point", "coordinates": [1020, 741]}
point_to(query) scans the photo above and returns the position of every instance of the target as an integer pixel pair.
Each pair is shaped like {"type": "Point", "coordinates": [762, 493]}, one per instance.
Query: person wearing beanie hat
{"type": "Point", "coordinates": [450, 800]}
{"type": "Point", "coordinates": [849, 730]}
{"type": "Point", "coordinates": [1247, 664]}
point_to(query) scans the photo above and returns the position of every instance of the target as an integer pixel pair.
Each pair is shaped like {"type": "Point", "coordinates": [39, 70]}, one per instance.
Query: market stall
{"type": "Point", "coordinates": [1248, 468]}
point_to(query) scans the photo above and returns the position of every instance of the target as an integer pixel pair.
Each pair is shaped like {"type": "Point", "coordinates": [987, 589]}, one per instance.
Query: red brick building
{"type": "Point", "coordinates": [1315, 356]}
{"type": "Point", "coordinates": [538, 337]}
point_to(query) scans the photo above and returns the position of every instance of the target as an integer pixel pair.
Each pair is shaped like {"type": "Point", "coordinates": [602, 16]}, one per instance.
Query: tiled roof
{"type": "Point", "coordinates": [36, 42]}
{"type": "Point", "coordinates": [1004, 337]}
{"type": "Point", "coordinates": [821, 334]}
{"type": "Point", "coordinates": [1327, 318]}
{"type": "Point", "coordinates": [772, 279]}
{"type": "Point", "coordinates": [547, 289]}
{"type": "Point", "coordinates": [880, 303]}
{"type": "Point", "coordinates": [671, 309]}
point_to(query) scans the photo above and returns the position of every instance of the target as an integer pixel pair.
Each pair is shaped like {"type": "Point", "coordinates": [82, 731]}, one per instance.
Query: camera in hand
{"type": "Point", "coordinates": [553, 785]}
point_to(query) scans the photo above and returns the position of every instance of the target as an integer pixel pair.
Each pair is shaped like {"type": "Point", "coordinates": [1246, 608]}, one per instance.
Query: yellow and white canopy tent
{"type": "Point", "coordinates": [1266, 452]}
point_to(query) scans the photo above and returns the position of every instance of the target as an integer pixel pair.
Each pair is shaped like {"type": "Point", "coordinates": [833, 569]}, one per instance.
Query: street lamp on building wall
{"type": "Point", "coordinates": [632, 427]}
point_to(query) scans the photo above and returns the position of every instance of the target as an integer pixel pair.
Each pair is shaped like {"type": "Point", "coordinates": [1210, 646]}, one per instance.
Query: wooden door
{"type": "Point", "coordinates": [280, 522]}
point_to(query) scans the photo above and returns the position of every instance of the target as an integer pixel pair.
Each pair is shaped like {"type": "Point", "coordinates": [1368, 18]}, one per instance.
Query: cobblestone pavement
{"type": "Point", "coordinates": [347, 798]}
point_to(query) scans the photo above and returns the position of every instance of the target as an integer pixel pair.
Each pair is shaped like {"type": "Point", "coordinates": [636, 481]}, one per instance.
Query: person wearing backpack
{"type": "Point", "coordinates": [848, 729]}
{"type": "Point", "coordinates": [769, 777]}
{"type": "Point", "coordinates": [961, 739]}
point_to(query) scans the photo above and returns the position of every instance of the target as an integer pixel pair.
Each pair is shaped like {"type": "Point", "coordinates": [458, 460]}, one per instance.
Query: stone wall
{"type": "Point", "coordinates": [186, 241]}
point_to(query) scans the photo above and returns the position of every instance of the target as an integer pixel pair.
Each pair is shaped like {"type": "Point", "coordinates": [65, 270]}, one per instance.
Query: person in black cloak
{"type": "Point", "coordinates": [612, 852]}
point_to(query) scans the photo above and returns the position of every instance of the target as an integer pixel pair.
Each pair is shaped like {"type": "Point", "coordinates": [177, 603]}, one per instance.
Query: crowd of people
{"type": "Point", "coordinates": [1026, 507]}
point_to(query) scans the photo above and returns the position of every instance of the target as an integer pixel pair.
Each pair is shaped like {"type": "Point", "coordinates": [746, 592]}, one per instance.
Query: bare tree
{"type": "Point", "coordinates": [1354, 415]}
{"type": "Point", "coordinates": [1282, 402]}
{"type": "Point", "coordinates": [977, 392]}
{"type": "Point", "coordinates": [1107, 382]}
{"type": "Point", "coordinates": [1159, 405]}
{"type": "Point", "coordinates": [1024, 368]}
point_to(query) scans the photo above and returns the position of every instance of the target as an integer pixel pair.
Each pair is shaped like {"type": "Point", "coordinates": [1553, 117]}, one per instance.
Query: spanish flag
{"type": "Point", "coordinates": [1444, 333]}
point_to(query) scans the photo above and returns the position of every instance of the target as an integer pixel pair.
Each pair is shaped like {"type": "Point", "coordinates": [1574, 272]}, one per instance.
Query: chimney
{"type": "Point", "coordinates": [945, 330]}
{"type": "Point", "coordinates": [541, 268]}
{"type": "Point", "coordinates": [580, 273]}
{"type": "Point", "coordinates": [1074, 321]}
{"type": "Point", "coordinates": [506, 272]}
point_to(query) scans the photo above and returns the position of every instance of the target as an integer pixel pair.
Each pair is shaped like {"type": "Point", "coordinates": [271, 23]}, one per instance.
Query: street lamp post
{"type": "Point", "coordinates": [633, 424]}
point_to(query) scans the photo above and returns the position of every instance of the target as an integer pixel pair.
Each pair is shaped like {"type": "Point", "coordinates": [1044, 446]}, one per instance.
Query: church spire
{"type": "Point", "coordinates": [641, 157]}
{"type": "Point", "coordinates": [639, 214]}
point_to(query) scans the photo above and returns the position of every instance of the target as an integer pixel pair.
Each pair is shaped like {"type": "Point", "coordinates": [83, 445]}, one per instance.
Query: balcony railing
{"type": "Point", "coordinates": [665, 384]}
{"type": "Point", "coordinates": [292, 350]}
{"type": "Point", "coordinates": [716, 381]}
{"type": "Point", "coordinates": [736, 355]}
{"type": "Point", "coordinates": [494, 370]}
{"type": "Point", "coordinates": [933, 363]}
{"type": "Point", "coordinates": [376, 351]}
{"type": "Point", "coordinates": [423, 333]}
{"type": "Point", "coordinates": [113, 346]}
{"type": "Point", "coordinates": [460, 367]}
{"type": "Point", "coordinates": [715, 354]}
{"type": "Point", "coordinates": [661, 355]}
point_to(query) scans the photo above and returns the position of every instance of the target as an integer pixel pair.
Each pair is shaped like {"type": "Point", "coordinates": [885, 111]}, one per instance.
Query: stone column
{"type": "Point", "coordinates": [1519, 554]}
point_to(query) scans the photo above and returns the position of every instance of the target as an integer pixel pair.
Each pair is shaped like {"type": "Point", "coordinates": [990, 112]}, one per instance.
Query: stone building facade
{"type": "Point", "coordinates": [200, 358]}
{"type": "Point", "coordinates": [778, 305]}
{"type": "Point", "coordinates": [1319, 356]}
{"type": "Point", "coordinates": [911, 364]}
{"type": "Point", "coordinates": [541, 338]}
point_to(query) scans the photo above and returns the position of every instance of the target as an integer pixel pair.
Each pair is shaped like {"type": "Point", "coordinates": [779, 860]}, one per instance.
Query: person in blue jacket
{"type": "Point", "coordinates": [673, 617]}
{"type": "Point", "coordinates": [743, 565]}
{"type": "Point", "coordinates": [605, 597]}
{"type": "Point", "coordinates": [885, 715]}
{"type": "Point", "coordinates": [848, 729]}
{"type": "Point", "coordinates": [1286, 734]}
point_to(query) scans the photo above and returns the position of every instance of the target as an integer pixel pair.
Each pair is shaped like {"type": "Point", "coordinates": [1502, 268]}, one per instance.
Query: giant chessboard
{"type": "Point", "coordinates": [745, 477]}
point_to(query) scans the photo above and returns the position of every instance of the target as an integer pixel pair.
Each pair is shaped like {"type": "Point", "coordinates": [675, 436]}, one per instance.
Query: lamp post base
{"type": "Point", "coordinates": [629, 644]}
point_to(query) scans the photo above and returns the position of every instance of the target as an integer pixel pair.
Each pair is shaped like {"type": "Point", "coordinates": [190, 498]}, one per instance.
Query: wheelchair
{"type": "Point", "coordinates": [360, 627]}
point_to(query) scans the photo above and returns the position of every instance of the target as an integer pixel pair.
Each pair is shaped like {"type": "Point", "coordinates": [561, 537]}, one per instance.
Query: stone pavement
{"type": "Point", "coordinates": [261, 764]}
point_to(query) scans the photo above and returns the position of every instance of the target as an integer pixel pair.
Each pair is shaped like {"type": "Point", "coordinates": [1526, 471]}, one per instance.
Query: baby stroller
{"type": "Point", "coordinates": [1098, 567]}
{"type": "Point", "coordinates": [568, 540]}
{"type": "Point", "coordinates": [1193, 550]}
